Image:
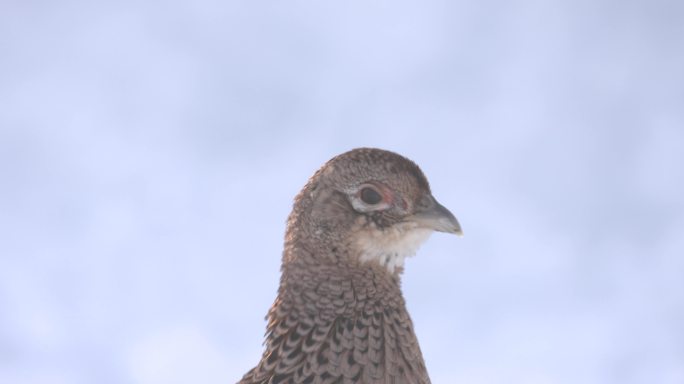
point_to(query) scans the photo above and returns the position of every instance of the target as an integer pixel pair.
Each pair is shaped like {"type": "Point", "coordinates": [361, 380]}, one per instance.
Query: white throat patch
{"type": "Point", "coordinates": [390, 247]}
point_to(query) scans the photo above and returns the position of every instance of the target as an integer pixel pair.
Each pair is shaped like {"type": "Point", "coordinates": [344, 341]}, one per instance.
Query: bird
{"type": "Point", "coordinates": [339, 315]}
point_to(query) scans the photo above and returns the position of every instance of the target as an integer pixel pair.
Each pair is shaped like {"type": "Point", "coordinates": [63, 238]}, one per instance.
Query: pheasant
{"type": "Point", "coordinates": [339, 316]}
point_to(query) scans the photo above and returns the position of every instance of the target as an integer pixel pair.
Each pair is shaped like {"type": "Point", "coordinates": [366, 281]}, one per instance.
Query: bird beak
{"type": "Point", "coordinates": [436, 217]}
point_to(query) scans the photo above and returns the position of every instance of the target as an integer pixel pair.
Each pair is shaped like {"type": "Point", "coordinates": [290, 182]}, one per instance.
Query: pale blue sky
{"type": "Point", "coordinates": [150, 151]}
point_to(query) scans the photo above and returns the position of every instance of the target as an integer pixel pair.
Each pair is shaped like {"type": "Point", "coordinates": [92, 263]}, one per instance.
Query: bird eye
{"type": "Point", "coordinates": [370, 196]}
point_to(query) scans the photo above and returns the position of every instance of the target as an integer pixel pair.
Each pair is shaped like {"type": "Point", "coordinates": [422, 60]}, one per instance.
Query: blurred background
{"type": "Point", "coordinates": [150, 151]}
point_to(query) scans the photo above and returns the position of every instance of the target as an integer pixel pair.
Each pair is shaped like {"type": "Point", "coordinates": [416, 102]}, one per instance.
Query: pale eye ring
{"type": "Point", "coordinates": [370, 196]}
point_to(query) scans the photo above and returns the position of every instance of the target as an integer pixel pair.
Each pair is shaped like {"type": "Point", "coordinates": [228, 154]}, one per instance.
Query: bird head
{"type": "Point", "coordinates": [373, 202]}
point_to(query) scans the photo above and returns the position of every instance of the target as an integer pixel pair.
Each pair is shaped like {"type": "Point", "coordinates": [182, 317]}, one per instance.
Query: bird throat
{"type": "Point", "coordinates": [390, 246]}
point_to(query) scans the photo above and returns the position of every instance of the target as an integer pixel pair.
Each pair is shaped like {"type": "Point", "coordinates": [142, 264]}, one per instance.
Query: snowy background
{"type": "Point", "coordinates": [150, 151]}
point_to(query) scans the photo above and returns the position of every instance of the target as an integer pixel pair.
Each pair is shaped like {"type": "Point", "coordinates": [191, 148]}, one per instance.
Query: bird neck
{"type": "Point", "coordinates": [334, 285]}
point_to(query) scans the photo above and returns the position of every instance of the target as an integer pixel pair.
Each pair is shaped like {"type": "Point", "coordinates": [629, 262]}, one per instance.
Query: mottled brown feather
{"type": "Point", "coordinates": [337, 319]}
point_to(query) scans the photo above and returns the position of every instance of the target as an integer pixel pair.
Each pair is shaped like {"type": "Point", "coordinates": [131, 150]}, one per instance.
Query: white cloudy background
{"type": "Point", "coordinates": [149, 152]}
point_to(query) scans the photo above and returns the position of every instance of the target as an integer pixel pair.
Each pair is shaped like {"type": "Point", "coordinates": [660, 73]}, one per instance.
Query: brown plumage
{"type": "Point", "coordinates": [340, 316]}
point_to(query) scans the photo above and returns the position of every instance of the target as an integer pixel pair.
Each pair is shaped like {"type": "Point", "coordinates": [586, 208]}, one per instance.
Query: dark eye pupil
{"type": "Point", "coordinates": [370, 196]}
